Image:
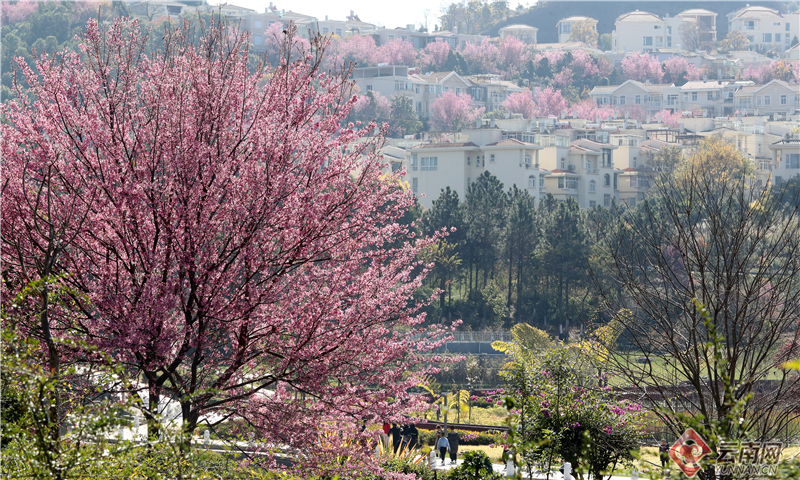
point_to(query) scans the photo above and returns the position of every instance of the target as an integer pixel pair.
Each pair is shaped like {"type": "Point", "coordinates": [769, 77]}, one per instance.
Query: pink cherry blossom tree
{"type": "Point", "coordinates": [275, 37]}
{"type": "Point", "coordinates": [670, 119]}
{"type": "Point", "coordinates": [677, 68]}
{"type": "Point", "coordinates": [521, 102]}
{"type": "Point", "coordinates": [453, 111]}
{"type": "Point", "coordinates": [18, 12]}
{"type": "Point", "coordinates": [359, 49]}
{"type": "Point", "coordinates": [796, 71]}
{"type": "Point", "coordinates": [588, 109]}
{"type": "Point", "coordinates": [434, 56]}
{"type": "Point", "coordinates": [641, 67]}
{"type": "Point", "coordinates": [397, 52]}
{"type": "Point", "coordinates": [234, 247]}
{"type": "Point", "coordinates": [584, 64]}
{"type": "Point", "coordinates": [481, 57]}
{"type": "Point", "coordinates": [549, 102]}
{"type": "Point", "coordinates": [513, 54]}
{"type": "Point", "coordinates": [563, 77]}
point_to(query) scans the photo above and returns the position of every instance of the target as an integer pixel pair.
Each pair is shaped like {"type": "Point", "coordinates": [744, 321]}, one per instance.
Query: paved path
{"type": "Point", "coordinates": [536, 476]}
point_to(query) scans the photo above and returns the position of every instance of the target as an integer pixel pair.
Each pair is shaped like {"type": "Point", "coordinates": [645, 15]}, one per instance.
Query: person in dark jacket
{"type": "Point", "coordinates": [453, 438]}
{"type": "Point", "coordinates": [414, 434]}
{"type": "Point", "coordinates": [397, 437]}
{"type": "Point", "coordinates": [663, 453]}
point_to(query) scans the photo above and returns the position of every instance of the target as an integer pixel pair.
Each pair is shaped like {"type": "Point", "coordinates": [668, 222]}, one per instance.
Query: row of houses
{"type": "Point", "coordinates": [594, 164]}
{"type": "Point", "coordinates": [487, 91]}
{"type": "Point", "coordinates": [765, 29]}
{"type": "Point", "coordinates": [776, 99]}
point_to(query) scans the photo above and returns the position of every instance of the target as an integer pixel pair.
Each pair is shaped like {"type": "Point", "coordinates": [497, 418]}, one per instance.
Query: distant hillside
{"type": "Point", "coordinates": [545, 16]}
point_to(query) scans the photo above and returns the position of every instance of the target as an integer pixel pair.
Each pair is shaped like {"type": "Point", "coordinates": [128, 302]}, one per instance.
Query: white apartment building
{"type": "Point", "coordinates": [785, 159]}
{"type": "Point", "coordinates": [433, 166]}
{"type": "Point", "coordinates": [523, 33]}
{"type": "Point", "coordinates": [714, 98]}
{"type": "Point", "coordinates": [765, 28]}
{"type": "Point", "coordinates": [639, 31]}
{"type": "Point", "coordinates": [564, 26]}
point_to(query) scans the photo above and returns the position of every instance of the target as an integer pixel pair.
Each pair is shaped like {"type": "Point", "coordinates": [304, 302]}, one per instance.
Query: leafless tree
{"type": "Point", "coordinates": [706, 234]}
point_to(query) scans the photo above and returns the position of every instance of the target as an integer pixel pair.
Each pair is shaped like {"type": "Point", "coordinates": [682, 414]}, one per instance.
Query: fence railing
{"type": "Point", "coordinates": [481, 336]}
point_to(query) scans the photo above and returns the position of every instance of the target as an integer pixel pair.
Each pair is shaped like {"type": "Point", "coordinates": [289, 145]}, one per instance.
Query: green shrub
{"type": "Point", "coordinates": [476, 466]}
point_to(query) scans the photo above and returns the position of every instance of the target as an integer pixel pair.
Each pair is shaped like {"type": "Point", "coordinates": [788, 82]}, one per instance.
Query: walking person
{"type": "Point", "coordinates": [443, 445]}
{"type": "Point", "coordinates": [396, 437]}
{"type": "Point", "coordinates": [414, 434]}
{"type": "Point", "coordinates": [663, 453]}
{"type": "Point", "coordinates": [453, 438]}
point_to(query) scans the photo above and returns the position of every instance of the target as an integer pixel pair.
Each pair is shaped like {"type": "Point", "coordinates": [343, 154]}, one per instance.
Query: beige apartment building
{"type": "Point", "coordinates": [776, 99]}
{"type": "Point", "coordinates": [524, 33]}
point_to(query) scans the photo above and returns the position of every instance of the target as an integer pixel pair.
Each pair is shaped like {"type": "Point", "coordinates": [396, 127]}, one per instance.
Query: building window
{"type": "Point", "coordinates": [633, 162]}
{"type": "Point", "coordinates": [491, 158]}
{"type": "Point", "coordinates": [400, 85]}
{"type": "Point", "coordinates": [606, 157]}
{"type": "Point", "coordinates": [783, 99]}
{"type": "Point", "coordinates": [637, 99]}
{"type": "Point", "coordinates": [767, 100]}
{"type": "Point", "coordinates": [429, 163]}
{"type": "Point", "coordinates": [607, 179]}
{"type": "Point", "coordinates": [414, 162]}
{"type": "Point", "coordinates": [749, 25]}
{"type": "Point", "coordinates": [622, 99]}
{"type": "Point", "coordinates": [541, 181]}
{"type": "Point", "coordinates": [647, 41]}
{"type": "Point", "coordinates": [339, 32]}
{"type": "Point", "coordinates": [257, 24]}
{"type": "Point", "coordinates": [793, 161]}
{"type": "Point", "coordinates": [416, 88]}
{"type": "Point", "coordinates": [592, 204]}
{"type": "Point", "coordinates": [656, 27]}
{"type": "Point", "coordinates": [694, 96]}
{"type": "Point", "coordinates": [415, 185]}
{"type": "Point", "coordinates": [669, 41]}
{"type": "Point", "coordinates": [566, 182]}
{"type": "Point", "coordinates": [592, 186]}
{"type": "Point", "coordinates": [369, 88]}
{"type": "Point", "coordinates": [615, 181]}
{"type": "Point", "coordinates": [669, 30]}
{"type": "Point", "coordinates": [469, 160]}
{"type": "Point", "coordinates": [710, 96]}
{"type": "Point", "coordinates": [531, 182]}
{"type": "Point", "coordinates": [788, 28]}
{"type": "Point", "coordinates": [632, 202]}
{"type": "Point", "coordinates": [607, 200]}
{"type": "Point", "coordinates": [258, 40]}
{"type": "Point", "coordinates": [758, 100]}
{"type": "Point", "coordinates": [563, 164]}
{"type": "Point", "coordinates": [527, 159]}
{"type": "Point", "coordinates": [767, 37]}
{"type": "Point", "coordinates": [777, 37]}
{"type": "Point", "coordinates": [325, 30]}
{"type": "Point", "coordinates": [391, 37]}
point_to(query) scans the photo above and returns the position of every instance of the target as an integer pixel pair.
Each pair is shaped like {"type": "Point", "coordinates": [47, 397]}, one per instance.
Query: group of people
{"type": "Point", "coordinates": [403, 436]}
{"type": "Point", "coordinates": [447, 443]}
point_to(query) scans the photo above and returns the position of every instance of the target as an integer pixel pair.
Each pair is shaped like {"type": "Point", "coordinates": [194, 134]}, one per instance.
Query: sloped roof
{"type": "Point", "coordinates": [755, 12]}
{"type": "Point", "coordinates": [565, 172]}
{"type": "Point", "coordinates": [519, 26]}
{"type": "Point", "coordinates": [446, 145]}
{"type": "Point", "coordinates": [577, 18]}
{"type": "Point", "coordinates": [700, 85]}
{"type": "Point", "coordinates": [637, 16]}
{"type": "Point", "coordinates": [512, 142]}
{"type": "Point", "coordinates": [697, 11]}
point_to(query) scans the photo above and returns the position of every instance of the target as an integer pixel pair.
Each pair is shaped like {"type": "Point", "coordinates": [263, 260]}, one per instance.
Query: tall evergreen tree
{"type": "Point", "coordinates": [403, 119]}
{"type": "Point", "coordinates": [484, 217]}
{"type": "Point", "coordinates": [521, 238]}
